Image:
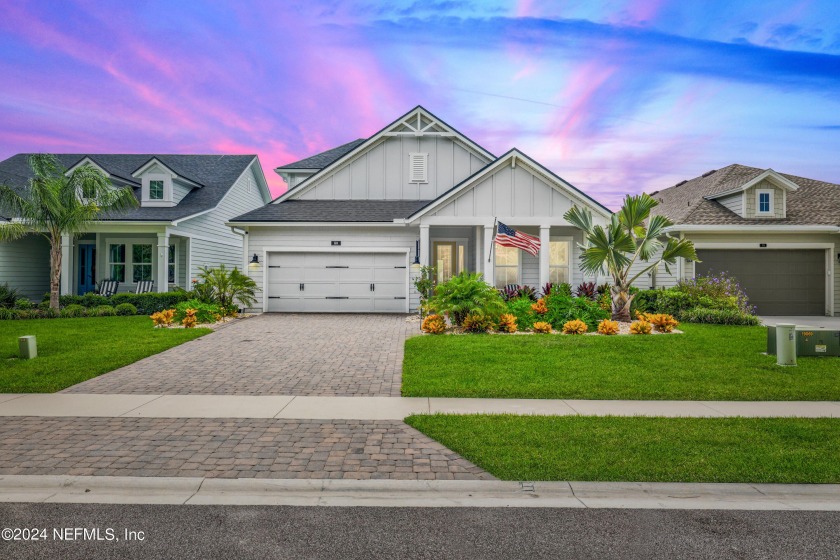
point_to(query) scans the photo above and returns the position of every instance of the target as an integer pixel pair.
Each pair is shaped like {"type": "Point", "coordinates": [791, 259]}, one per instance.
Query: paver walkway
{"type": "Point", "coordinates": [231, 448]}
{"type": "Point", "coordinates": [275, 354]}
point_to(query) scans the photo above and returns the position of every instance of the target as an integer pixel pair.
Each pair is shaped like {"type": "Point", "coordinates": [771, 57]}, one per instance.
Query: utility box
{"type": "Point", "coordinates": [28, 347]}
{"type": "Point", "coordinates": [809, 341]}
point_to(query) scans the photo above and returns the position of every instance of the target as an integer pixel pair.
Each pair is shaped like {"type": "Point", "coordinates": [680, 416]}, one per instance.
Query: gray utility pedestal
{"type": "Point", "coordinates": [27, 347]}
{"type": "Point", "coordinates": [810, 341]}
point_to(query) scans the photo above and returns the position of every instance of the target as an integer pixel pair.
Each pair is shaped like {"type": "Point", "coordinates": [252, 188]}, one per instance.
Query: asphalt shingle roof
{"type": "Point", "coordinates": [216, 173]}
{"type": "Point", "coordinates": [814, 203]}
{"type": "Point", "coordinates": [322, 160]}
{"type": "Point", "coordinates": [333, 211]}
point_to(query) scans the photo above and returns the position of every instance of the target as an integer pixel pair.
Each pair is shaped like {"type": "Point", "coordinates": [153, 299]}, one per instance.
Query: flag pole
{"type": "Point", "coordinates": [492, 240]}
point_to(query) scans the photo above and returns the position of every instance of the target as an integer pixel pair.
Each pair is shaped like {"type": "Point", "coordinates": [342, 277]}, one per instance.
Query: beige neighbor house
{"type": "Point", "coordinates": [177, 227]}
{"type": "Point", "coordinates": [357, 222]}
{"type": "Point", "coordinates": [778, 234]}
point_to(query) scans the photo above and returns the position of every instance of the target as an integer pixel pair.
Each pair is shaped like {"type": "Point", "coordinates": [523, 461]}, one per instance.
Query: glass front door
{"type": "Point", "coordinates": [445, 255]}
{"type": "Point", "coordinates": [87, 268]}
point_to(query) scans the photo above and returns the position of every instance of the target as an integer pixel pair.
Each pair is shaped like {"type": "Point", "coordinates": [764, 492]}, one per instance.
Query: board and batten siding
{"type": "Point", "coordinates": [25, 266]}
{"type": "Point", "coordinates": [213, 243]}
{"type": "Point", "coordinates": [261, 238]}
{"type": "Point", "coordinates": [381, 171]}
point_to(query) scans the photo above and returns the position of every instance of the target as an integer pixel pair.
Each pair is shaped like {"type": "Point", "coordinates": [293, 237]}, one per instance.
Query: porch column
{"type": "Point", "coordinates": [545, 247]}
{"type": "Point", "coordinates": [489, 256]}
{"type": "Point", "coordinates": [162, 281]}
{"type": "Point", "coordinates": [66, 265]}
{"type": "Point", "coordinates": [425, 246]}
{"type": "Point", "coordinates": [478, 244]}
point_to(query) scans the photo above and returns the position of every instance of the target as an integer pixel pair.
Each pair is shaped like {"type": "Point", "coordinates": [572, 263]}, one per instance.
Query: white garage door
{"type": "Point", "coordinates": [337, 282]}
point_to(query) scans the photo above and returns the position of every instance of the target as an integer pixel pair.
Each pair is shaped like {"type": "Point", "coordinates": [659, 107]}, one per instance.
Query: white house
{"type": "Point", "coordinates": [345, 236]}
{"type": "Point", "coordinates": [177, 227]}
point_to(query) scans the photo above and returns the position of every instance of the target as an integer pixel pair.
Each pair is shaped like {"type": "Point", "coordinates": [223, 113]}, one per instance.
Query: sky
{"type": "Point", "coordinates": [616, 97]}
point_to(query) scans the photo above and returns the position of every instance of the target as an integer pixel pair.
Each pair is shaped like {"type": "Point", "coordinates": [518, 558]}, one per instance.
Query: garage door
{"type": "Point", "coordinates": [777, 282]}
{"type": "Point", "coordinates": [337, 282]}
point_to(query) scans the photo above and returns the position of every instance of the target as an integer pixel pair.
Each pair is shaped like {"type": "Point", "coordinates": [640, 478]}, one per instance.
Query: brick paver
{"type": "Point", "coordinates": [275, 354]}
{"type": "Point", "coordinates": [360, 449]}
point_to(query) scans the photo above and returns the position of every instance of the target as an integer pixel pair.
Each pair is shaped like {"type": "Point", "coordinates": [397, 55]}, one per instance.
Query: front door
{"type": "Point", "coordinates": [87, 268]}
{"type": "Point", "coordinates": [445, 254]}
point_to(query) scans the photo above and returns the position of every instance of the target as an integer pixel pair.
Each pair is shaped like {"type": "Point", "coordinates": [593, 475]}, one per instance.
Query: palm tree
{"type": "Point", "coordinates": [57, 203]}
{"type": "Point", "coordinates": [632, 236]}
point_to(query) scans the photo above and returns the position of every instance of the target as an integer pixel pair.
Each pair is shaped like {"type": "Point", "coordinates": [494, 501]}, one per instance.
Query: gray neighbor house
{"type": "Point", "coordinates": [178, 226]}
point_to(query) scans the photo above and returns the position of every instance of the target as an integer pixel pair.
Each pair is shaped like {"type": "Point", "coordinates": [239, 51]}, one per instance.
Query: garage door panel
{"type": "Point", "coordinates": [321, 274]}
{"type": "Point", "coordinates": [777, 282]}
{"type": "Point", "coordinates": [389, 274]}
{"type": "Point", "coordinates": [357, 274]}
{"type": "Point", "coordinates": [284, 289]}
{"type": "Point", "coordinates": [389, 305]}
{"type": "Point", "coordinates": [320, 289]}
{"type": "Point", "coordinates": [357, 259]}
{"type": "Point", "coordinates": [355, 289]}
{"type": "Point", "coordinates": [391, 290]}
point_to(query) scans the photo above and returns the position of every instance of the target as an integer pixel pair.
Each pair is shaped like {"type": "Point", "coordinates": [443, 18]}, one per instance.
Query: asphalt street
{"type": "Point", "coordinates": [227, 532]}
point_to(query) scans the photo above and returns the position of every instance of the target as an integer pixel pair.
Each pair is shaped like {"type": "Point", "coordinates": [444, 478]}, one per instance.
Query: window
{"type": "Point", "coordinates": [558, 262]}
{"type": "Point", "coordinates": [141, 262]}
{"type": "Point", "coordinates": [507, 265]}
{"type": "Point", "coordinates": [764, 201]}
{"type": "Point", "coordinates": [172, 274]}
{"type": "Point", "coordinates": [417, 167]}
{"type": "Point", "coordinates": [88, 191]}
{"type": "Point", "coordinates": [116, 262]}
{"type": "Point", "coordinates": [156, 190]}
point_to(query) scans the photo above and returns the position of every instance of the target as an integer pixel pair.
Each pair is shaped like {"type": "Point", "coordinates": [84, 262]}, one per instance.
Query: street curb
{"type": "Point", "coordinates": [411, 493]}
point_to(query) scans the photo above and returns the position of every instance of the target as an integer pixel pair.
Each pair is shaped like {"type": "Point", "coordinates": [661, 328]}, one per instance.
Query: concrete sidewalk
{"type": "Point", "coordinates": [399, 493]}
{"type": "Point", "coordinates": [383, 408]}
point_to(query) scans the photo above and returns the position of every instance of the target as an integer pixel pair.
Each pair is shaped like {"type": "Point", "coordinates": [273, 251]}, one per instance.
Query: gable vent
{"type": "Point", "coordinates": [418, 167]}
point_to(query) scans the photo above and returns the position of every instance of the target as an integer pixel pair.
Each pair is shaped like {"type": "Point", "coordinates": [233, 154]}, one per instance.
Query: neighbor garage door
{"type": "Point", "coordinates": [337, 282]}
{"type": "Point", "coordinates": [777, 282]}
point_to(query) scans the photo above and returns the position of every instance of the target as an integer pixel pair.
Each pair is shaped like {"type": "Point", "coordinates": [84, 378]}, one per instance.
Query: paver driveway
{"type": "Point", "coordinates": [275, 354]}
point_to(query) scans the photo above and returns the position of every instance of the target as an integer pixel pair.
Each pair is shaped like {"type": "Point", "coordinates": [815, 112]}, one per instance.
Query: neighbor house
{"type": "Point", "coordinates": [345, 236]}
{"type": "Point", "coordinates": [778, 234]}
{"type": "Point", "coordinates": [177, 227]}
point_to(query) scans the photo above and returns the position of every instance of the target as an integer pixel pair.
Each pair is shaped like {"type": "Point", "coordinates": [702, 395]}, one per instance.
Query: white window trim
{"type": "Point", "coordinates": [570, 246]}
{"type": "Point", "coordinates": [129, 258]}
{"type": "Point", "coordinates": [496, 265]}
{"type": "Point", "coordinates": [424, 157]}
{"type": "Point", "coordinates": [168, 197]}
{"type": "Point", "coordinates": [173, 245]}
{"type": "Point", "coordinates": [758, 193]}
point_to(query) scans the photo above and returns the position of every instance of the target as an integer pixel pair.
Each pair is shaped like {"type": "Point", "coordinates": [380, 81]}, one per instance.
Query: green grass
{"type": "Point", "coordinates": [708, 362]}
{"type": "Point", "coordinates": [73, 350]}
{"type": "Point", "coordinates": [779, 450]}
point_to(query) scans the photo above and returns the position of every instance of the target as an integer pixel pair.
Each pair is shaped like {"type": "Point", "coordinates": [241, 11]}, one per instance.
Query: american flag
{"type": "Point", "coordinates": [509, 237]}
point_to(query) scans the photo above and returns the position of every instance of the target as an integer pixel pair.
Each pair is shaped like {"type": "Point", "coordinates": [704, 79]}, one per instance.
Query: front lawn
{"type": "Point", "coordinates": [588, 448]}
{"type": "Point", "coordinates": [73, 350]}
{"type": "Point", "coordinates": [707, 362]}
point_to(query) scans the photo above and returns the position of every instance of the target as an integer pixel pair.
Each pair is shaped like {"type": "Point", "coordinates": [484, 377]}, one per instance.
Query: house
{"type": "Point", "coordinates": [179, 225]}
{"type": "Point", "coordinates": [358, 221]}
{"type": "Point", "coordinates": [778, 234]}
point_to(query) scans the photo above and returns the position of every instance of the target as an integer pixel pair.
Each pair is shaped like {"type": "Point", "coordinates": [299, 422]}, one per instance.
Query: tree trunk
{"type": "Point", "coordinates": [621, 299]}
{"type": "Point", "coordinates": [55, 271]}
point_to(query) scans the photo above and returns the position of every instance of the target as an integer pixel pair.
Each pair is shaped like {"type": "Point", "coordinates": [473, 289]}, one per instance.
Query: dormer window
{"type": "Point", "coordinates": [156, 189]}
{"type": "Point", "coordinates": [764, 202]}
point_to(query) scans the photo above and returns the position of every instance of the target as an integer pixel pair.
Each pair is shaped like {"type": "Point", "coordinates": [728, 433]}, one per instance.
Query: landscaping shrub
{"type": "Point", "coordinates": [6, 314]}
{"type": "Point", "coordinates": [546, 289]}
{"type": "Point", "coordinates": [24, 303]}
{"type": "Point", "coordinates": [608, 327]}
{"type": "Point", "coordinates": [189, 319]}
{"type": "Point", "coordinates": [507, 323]}
{"type": "Point", "coordinates": [163, 318]}
{"type": "Point", "coordinates": [661, 321]}
{"type": "Point", "coordinates": [8, 296]}
{"type": "Point", "coordinates": [146, 304]}
{"type": "Point", "coordinates": [587, 290]}
{"type": "Point", "coordinates": [467, 294]}
{"type": "Point", "coordinates": [94, 300]}
{"type": "Point", "coordinates": [229, 288]}
{"type": "Point", "coordinates": [49, 313]}
{"type": "Point", "coordinates": [124, 309]}
{"type": "Point", "coordinates": [542, 327]}
{"type": "Point", "coordinates": [605, 302]}
{"type": "Point", "coordinates": [575, 327]}
{"type": "Point", "coordinates": [478, 323]}
{"type": "Point", "coordinates": [521, 309]}
{"type": "Point", "coordinates": [717, 316]}
{"type": "Point", "coordinates": [203, 312]}
{"type": "Point", "coordinates": [564, 288]}
{"type": "Point", "coordinates": [723, 290]}
{"type": "Point", "coordinates": [640, 327]}
{"type": "Point", "coordinates": [25, 313]}
{"type": "Point", "coordinates": [433, 324]}
{"type": "Point", "coordinates": [102, 311]}
{"type": "Point", "coordinates": [671, 302]}
{"type": "Point", "coordinates": [562, 309]}
{"type": "Point", "coordinates": [645, 302]}
{"type": "Point", "coordinates": [540, 308]}
{"type": "Point", "coordinates": [517, 291]}
{"type": "Point", "coordinates": [73, 311]}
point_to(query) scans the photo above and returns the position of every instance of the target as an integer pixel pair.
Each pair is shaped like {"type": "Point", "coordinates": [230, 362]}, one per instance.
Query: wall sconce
{"type": "Point", "coordinates": [416, 264]}
{"type": "Point", "coordinates": [838, 257]}
{"type": "Point", "coordinates": [255, 260]}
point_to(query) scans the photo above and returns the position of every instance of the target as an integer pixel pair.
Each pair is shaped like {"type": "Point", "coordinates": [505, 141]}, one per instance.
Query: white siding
{"type": "Point", "coordinates": [662, 278]}
{"type": "Point", "coordinates": [25, 266]}
{"type": "Point", "coordinates": [381, 172]}
{"type": "Point", "coordinates": [734, 203]}
{"type": "Point", "coordinates": [179, 191]}
{"type": "Point", "coordinates": [210, 254]}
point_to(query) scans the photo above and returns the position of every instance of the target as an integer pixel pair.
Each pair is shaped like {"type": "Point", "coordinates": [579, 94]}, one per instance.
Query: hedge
{"type": "Point", "coordinates": [146, 304]}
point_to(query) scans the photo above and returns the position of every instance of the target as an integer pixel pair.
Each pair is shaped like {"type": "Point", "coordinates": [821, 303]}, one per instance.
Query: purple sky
{"type": "Point", "coordinates": [627, 96]}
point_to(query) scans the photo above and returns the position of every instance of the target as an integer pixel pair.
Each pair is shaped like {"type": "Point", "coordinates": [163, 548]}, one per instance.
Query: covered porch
{"type": "Point", "coordinates": [129, 256]}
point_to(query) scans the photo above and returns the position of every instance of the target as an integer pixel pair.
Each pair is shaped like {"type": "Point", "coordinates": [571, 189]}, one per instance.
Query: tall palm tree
{"type": "Point", "coordinates": [57, 203]}
{"type": "Point", "coordinates": [632, 236]}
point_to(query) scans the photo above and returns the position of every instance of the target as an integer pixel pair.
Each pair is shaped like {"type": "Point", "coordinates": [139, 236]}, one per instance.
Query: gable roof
{"type": "Point", "coordinates": [322, 160]}
{"type": "Point", "coordinates": [333, 211]}
{"type": "Point", "coordinates": [398, 126]}
{"type": "Point", "coordinates": [217, 174]}
{"type": "Point", "coordinates": [691, 202]}
{"type": "Point", "coordinates": [553, 179]}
